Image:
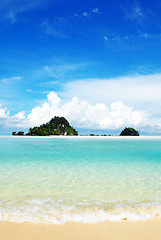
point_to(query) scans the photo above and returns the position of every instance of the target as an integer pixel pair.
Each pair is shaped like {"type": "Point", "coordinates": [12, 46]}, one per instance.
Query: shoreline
{"type": "Point", "coordinates": [79, 137]}
{"type": "Point", "coordinates": [125, 230]}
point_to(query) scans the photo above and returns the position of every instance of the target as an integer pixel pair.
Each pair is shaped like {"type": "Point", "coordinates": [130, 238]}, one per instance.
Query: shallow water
{"type": "Point", "coordinates": [52, 180]}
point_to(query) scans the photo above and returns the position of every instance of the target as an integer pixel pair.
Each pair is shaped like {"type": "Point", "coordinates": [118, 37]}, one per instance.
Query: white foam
{"type": "Point", "coordinates": [47, 212]}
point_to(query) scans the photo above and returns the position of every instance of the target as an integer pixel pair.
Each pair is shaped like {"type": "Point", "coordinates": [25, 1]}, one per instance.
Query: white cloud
{"type": "Point", "coordinates": [3, 112]}
{"type": "Point", "coordinates": [106, 38]}
{"type": "Point", "coordinates": [8, 80]}
{"type": "Point", "coordinates": [29, 90]}
{"type": "Point", "coordinates": [4, 80]}
{"type": "Point", "coordinates": [21, 6]}
{"type": "Point", "coordinates": [99, 104]}
{"type": "Point", "coordinates": [50, 71]}
{"type": "Point", "coordinates": [11, 121]}
{"type": "Point", "coordinates": [11, 17]}
{"type": "Point", "coordinates": [140, 91]}
{"type": "Point", "coordinates": [75, 15]}
{"type": "Point", "coordinates": [50, 83]}
{"type": "Point", "coordinates": [100, 116]}
{"type": "Point", "coordinates": [85, 115]}
{"type": "Point", "coordinates": [60, 70]}
{"type": "Point", "coordinates": [16, 78]}
{"type": "Point", "coordinates": [53, 30]}
{"type": "Point", "coordinates": [80, 113]}
{"type": "Point", "coordinates": [88, 14]}
{"type": "Point", "coordinates": [136, 13]}
{"type": "Point", "coordinates": [95, 10]}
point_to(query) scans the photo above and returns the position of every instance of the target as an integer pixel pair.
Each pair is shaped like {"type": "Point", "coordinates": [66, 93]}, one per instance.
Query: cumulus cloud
{"type": "Point", "coordinates": [80, 113]}
{"type": "Point", "coordinates": [6, 120]}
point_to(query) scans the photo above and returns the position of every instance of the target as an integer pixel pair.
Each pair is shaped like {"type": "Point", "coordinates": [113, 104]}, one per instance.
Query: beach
{"type": "Point", "coordinates": [80, 120]}
{"type": "Point", "coordinates": [138, 230]}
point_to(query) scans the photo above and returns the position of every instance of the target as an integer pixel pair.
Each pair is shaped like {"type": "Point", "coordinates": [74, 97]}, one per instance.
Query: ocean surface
{"type": "Point", "coordinates": [57, 180]}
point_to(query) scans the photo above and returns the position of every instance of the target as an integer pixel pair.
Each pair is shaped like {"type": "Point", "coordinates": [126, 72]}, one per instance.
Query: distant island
{"type": "Point", "coordinates": [129, 132]}
{"type": "Point", "coordinates": [56, 126]}
{"type": "Point", "coordinates": [60, 126]}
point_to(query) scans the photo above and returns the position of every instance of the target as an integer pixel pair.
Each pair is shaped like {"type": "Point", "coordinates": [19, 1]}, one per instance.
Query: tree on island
{"type": "Point", "coordinates": [129, 132]}
{"type": "Point", "coordinates": [14, 133]}
{"type": "Point", "coordinates": [20, 133]}
{"type": "Point", "coordinates": [56, 126]}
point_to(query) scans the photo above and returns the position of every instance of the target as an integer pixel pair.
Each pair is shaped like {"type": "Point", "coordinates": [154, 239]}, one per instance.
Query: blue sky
{"type": "Point", "coordinates": [100, 52]}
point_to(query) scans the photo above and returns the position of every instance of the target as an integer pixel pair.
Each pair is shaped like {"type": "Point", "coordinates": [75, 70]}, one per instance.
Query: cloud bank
{"type": "Point", "coordinates": [80, 113]}
{"type": "Point", "coordinates": [139, 91]}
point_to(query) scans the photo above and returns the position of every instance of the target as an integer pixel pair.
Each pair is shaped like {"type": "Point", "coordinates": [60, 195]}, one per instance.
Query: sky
{"type": "Point", "coordinates": [97, 63]}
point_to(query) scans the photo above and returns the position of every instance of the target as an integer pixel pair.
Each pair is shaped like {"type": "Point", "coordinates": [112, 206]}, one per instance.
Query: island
{"type": "Point", "coordinates": [56, 126]}
{"type": "Point", "coordinates": [129, 132]}
{"type": "Point", "coordinates": [20, 133]}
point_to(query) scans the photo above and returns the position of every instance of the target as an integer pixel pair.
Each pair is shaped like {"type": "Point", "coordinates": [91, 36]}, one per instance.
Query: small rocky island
{"type": "Point", "coordinates": [56, 126]}
{"type": "Point", "coordinates": [129, 132]}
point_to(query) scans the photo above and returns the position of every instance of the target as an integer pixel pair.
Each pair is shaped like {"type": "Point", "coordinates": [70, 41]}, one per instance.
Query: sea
{"type": "Point", "coordinates": [48, 180]}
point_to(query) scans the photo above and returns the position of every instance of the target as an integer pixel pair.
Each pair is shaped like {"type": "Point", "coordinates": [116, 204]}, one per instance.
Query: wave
{"type": "Point", "coordinates": [48, 212]}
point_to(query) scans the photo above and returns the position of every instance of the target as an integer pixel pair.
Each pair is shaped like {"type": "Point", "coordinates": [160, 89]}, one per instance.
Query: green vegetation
{"type": "Point", "coordinates": [129, 132]}
{"type": "Point", "coordinates": [14, 133]}
{"type": "Point", "coordinates": [56, 126]}
{"type": "Point", "coordinates": [20, 133]}
{"type": "Point", "coordinates": [60, 126]}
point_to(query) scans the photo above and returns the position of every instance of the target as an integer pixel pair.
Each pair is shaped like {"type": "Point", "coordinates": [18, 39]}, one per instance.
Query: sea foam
{"type": "Point", "coordinates": [48, 212]}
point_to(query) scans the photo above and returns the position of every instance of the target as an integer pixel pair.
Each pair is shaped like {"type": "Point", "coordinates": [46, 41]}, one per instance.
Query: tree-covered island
{"type": "Point", "coordinates": [56, 126]}
{"type": "Point", "coordinates": [60, 126]}
{"type": "Point", "coordinates": [129, 132]}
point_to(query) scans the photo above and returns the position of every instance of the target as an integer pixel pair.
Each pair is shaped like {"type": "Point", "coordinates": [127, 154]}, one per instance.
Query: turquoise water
{"type": "Point", "coordinates": [56, 180]}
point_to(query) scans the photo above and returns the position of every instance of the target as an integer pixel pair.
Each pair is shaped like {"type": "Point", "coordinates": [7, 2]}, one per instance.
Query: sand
{"type": "Point", "coordinates": [125, 230]}
{"type": "Point", "coordinates": [86, 137]}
